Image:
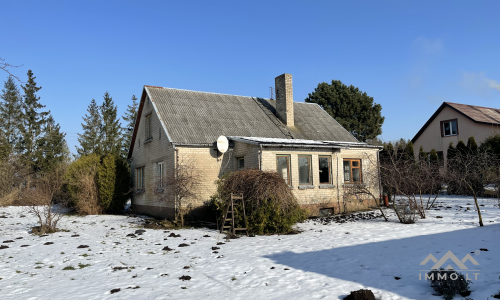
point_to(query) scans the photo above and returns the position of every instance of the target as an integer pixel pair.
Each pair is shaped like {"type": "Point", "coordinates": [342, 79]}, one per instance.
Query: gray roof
{"type": "Point", "coordinates": [192, 117]}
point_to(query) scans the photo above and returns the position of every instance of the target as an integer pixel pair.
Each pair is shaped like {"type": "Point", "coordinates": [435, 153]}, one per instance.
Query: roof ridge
{"type": "Point", "coordinates": [168, 88]}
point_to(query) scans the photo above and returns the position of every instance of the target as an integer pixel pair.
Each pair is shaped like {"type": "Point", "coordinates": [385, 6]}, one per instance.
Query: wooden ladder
{"type": "Point", "coordinates": [230, 204]}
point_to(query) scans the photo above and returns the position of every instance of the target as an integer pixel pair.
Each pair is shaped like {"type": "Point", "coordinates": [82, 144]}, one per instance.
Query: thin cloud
{"type": "Point", "coordinates": [428, 46]}
{"type": "Point", "coordinates": [479, 84]}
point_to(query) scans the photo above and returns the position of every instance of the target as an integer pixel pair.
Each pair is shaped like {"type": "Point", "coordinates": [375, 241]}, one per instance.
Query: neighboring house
{"type": "Point", "coordinates": [453, 122]}
{"type": "Point", "coordinates": [316, 156]}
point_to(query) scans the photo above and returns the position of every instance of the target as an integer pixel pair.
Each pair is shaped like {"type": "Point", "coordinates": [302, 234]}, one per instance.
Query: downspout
{"type": "Point", "coordinates": [260, 158]}
{"type": "Point", "coordinates": [378, 169]}
{"type": "Point", "coordinates": [338, 188]}
{"type": "Point", "coordinates": [176, 164]}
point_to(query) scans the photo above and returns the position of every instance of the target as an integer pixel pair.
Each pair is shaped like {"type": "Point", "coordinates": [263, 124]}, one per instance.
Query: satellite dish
{"type": "Point", "coordinates": [222, 144]}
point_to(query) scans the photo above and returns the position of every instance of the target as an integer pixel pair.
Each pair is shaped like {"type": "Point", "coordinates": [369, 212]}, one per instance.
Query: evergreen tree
{"type": "Point", "coordinates": [10, 112]}
{"type": "Point", "coordinates": [433, 157]}
{"type": "Point", "coordinates": [451, 153]}
{"type": "Point", "coordinates": [31, 125]}
{"type": "Point", "coordinates": [421, 154]}
{"type": "Point", "coordinates": [106, 178]}
{"type": "Point", "coordinates": [461, 147]}
{"type": "Point", "coordinates": [111, 138]}
{"type": "Point", "coordinates": [54, 146]}
{"type": "Point", "coordinates": [129, 118]}
{"type": "Point", "coordinates": [90, 140]}
{"type": "Point", "coordinates": [492, 145]}
{"type": "Point", "coordinates": [352, 108]}
{"type": "Point", "coordinates": [409, 154]}
{"type": "Point", "coordinates": [472, 146]}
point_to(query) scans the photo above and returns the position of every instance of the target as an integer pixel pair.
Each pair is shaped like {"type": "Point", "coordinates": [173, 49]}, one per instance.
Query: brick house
{"type": "Point", "coordinates": [314, 154]}
{"type": "Point", "coordinates": [453, 122]}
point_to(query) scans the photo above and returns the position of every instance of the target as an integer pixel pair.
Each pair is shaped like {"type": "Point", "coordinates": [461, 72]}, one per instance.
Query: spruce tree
{"type": "Point", "coordinates": [54, 146]}
{"type": "Point", "coordinates": [31, 124]}
{"type": "Point", "coordinates": [129, 118]}
{"type": "Point", "coordinates": [10, 112]}
{"type": "Point", "coordinates": [111, 135]}
{"type": "Point", "coordinates": [90, 140]}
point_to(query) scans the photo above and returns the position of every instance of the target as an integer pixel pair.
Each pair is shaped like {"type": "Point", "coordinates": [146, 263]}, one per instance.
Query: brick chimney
{"type": "Point", "coordinates": [284, 98]}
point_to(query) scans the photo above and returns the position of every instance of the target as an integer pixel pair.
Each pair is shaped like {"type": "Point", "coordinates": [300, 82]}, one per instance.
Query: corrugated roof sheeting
{"type": "Point", "coordinates": [313, 123]}
{"type": "Point", "coordinates": [200, 118]}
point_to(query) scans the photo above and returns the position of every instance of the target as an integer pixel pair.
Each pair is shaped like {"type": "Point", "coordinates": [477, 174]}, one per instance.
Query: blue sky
{"type": "Point", "coordinates": [409, 55]}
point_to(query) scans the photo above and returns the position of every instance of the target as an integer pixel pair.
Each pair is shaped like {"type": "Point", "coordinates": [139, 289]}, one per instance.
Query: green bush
{"type": "Point", "coordinates": [270, 205]}
{"type": "Point", "coordinates": [106, 178]}
{"type": "Point", "coordinates": [112, 176]}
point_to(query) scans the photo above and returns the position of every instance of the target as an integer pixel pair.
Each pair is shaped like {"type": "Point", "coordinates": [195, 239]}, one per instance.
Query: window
{"type": "Point", "coordinates": [324, 170]}
{"type": "Point", "coordinates": [148, 128]}
{"type": "Point", "coordinates": [305, 169]}
{"type": "Point", "coordinates": [241, 163]}
{"type": "Point", "coordinates": [449, 127]}
{"type": "Point", "coordinates": [139, 178]}
{"type": "Point", "coordinates": [159, 169]}
{"type": "Point", "coordinates": [283, 166]}
{"type": "Point", "coordinates": [352, 170]}
{"type": "Point", "coordinates": [159, 133]}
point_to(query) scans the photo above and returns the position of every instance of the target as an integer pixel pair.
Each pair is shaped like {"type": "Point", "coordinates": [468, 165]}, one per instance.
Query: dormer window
{"type": "Point", "coordinates": [449, 128]}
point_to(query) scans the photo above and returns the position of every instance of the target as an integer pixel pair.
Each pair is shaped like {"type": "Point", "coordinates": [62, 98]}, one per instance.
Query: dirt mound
{"type": "Point", "coordinates": [360, 295]}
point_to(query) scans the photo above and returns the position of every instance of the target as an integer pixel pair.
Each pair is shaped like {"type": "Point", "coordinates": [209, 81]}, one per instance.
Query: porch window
{"type": "Point", "coordinates": [149, 133]}
{"type": "Point", "coordinates": [324, 170]}
{"type": "Point", "coordinates": [352, 171]}
{"type": "Point", "coordinates": [449, 128]}
{"type": "Point", "coordinates": [305, 169]}
{"type": "Point", "coordinates": [139, 172]}
{"type": "Point", "coordinates": [283, 167]}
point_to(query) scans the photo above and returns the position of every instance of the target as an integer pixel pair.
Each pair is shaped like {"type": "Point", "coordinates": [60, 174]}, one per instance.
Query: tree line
{"type": "Point", "coordinates": [37, 168]}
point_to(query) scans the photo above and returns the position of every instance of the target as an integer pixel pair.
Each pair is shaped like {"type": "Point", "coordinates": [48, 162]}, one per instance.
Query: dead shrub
{"type": "Point", "coordinates": [407, 211]}
{"type": "Point", "coordinates": [270, 205]}
{"type": "Point", "coordinates": [40, 199]}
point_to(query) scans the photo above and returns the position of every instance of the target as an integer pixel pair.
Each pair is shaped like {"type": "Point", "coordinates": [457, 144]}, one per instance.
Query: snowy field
{"type": "Point", "coordinates": [323, 262]}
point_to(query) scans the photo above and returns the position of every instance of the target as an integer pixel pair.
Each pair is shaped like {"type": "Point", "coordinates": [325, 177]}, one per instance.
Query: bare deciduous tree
{"type": "Point", "coordinates": [4, 66]}
{"type": "Point", "coordinates": [359, 191]}
{"type": "Point", "coordinates": [40, 199]}
{"type": "Point", "coordinates": [471, 171]}
{"type": "Point", "coordinates": [178, 187]}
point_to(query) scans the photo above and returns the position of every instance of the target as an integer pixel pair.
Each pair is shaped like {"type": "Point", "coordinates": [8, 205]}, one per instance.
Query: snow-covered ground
{"type": "Point", "coordinates": [324, 261]}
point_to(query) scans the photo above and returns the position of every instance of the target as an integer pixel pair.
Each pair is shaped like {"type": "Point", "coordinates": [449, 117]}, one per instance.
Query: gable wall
{"type": "Point", "coordinates": [431, 137]}
{"type": "Point", "coordinates": [147, 156]}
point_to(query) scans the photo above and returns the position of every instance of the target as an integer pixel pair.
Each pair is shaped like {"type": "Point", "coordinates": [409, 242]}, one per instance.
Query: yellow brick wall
{"type": "Point", "coordinates": [210, 165]}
